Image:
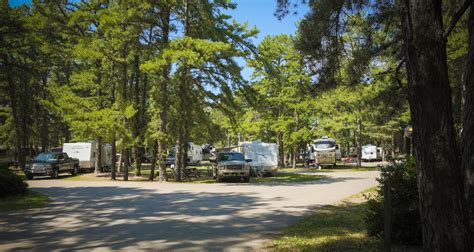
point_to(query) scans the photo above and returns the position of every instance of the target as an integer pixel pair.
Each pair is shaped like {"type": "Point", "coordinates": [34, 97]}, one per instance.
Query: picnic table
{"type": "Point", "coordinates": [188, 172]}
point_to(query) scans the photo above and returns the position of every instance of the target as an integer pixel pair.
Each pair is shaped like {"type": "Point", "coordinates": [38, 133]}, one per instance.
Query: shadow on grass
{"type": "Point", "coordinates": [30, 200]}
{"type": "Point", "coordinates": [330, 228]}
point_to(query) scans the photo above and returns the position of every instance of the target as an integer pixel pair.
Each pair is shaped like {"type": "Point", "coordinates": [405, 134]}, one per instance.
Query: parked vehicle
{"type": "Point", "coordinates": [323, 152]}
{"type": "Point", "coordinates": [371, 153]}
{"type": "Point", "coordinates": [194, 153]}
{"type": "Point", "coordinates": [231, 165]}
{"type": "Point", "coordinates": [264, 156]}
{"type": "Point", "coordinates": [86, 152]}
{"type": "Point", "coordinates": [194, 156]}
{"type": "Point", "coordinates": [51, 164]}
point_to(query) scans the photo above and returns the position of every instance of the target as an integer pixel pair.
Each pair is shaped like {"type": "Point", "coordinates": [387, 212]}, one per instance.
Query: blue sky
{"type": "Point", "coordinates": [257, 13]}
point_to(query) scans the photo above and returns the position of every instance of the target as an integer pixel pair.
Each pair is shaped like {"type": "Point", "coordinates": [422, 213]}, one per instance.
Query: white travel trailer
{"type": "Point", "coordinates": [264, 156]}
{"type": "Point", "coordinates": [194, 153]}
{"type": "Point", "coordinates": [107, 156]}
{"type": "Point", "coordinates": [371, 153]}
{"type": "Point", "coordinates": [85, 152]}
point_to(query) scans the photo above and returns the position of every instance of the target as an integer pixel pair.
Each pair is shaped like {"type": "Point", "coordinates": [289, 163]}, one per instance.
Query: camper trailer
{"type": "Point", "coordinates": [263, 155]}
{"type": "Point", "coordinates": [371, 153]}
{"type": "Point", "coordinates": [194, 153]}
{"type": "Point", "coordinates": [106, 156]}
{"type": "Point", "coordinates": [86, 152]}
{"type": "Point", "coordinates": [323, 152]}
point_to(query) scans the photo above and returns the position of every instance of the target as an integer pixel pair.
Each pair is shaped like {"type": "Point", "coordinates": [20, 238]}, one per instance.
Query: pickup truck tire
{"type": "Point", "coordinates": [55, 173]}
{"type": "Point", "coordinates": [74, 170]}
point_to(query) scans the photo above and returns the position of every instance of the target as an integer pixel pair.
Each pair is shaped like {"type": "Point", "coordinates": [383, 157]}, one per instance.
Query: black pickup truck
{"type": "Point", "coordinates": [51, 164]}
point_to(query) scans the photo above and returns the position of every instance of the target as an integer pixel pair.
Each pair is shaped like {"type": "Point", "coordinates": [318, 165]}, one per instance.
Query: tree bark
{"type": "Point", "coordinates": [126, 163]}
{"type": "Point", "coordinates": [114, 158]}
{"type": "Point", "coordinates": [359, 142]}
{"type": "Point", "coordinates": [440, 176]}
{"type": "Point", "coordinates": [162, 143]}
{"type": "Point", "coordinates": [98, 160]}
{"type": "Point", "coordinates": [468, 123]}
{"type": "Point", "coordinates": [154, 157]}
{"type": "Point", "coordinates": [281, 151]}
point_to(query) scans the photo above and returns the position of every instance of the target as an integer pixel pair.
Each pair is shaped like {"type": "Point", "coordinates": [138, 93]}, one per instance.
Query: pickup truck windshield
{"type": "Point", "coordinates": [45, 157]}
{"type": "Point", "coordinates": [325, 144]}
{"type": "Point", "coordinates": [230, 157]}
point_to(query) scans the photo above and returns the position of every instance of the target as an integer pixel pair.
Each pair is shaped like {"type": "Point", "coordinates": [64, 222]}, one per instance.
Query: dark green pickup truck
{"type": "Point", "coordinates": [51, 164]}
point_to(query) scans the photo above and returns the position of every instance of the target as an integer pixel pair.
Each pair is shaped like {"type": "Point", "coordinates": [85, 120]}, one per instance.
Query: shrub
{"type": "Point", "coordinates": [406, 223]}
{"type": "Point", "coordinates": [11, 184]}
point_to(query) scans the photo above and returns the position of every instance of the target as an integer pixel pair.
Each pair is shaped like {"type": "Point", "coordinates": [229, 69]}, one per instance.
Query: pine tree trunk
{"type": "Point", "coordinates": [114, 158]}
{"type": "Point", "coordinates": [154, 157]}
{"type": "Point", "coordinates": [359, 142]}
{"type": "Point", "coordinates": [98, 160]}
{"type": "Point", "coordinates": [126, 163]}
{"type": "Point", "coordinates": [178, 158]}
{"type": "Point", "coordinates": [440, 176]}
{"type": "Point", "coordinates": [281, 153]}
{"type": "Point", "coordinates": [468, 123]}
{"type": "Point", "coordinates": [162, 143]}
{"type": "Point", "coordinates": [21, 160]}
{"type": "Point", "coordinates": [293, 157]}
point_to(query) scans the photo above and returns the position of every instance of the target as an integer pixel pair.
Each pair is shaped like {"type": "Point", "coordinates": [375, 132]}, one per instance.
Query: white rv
{"type": "Point", "coordinates": [264, 156]}
{"type": "Point", "coordinates": [85, 152]}
{"type": "Point", "coordinates": [106, 156]}
{"type": "Point", "coordinates": [371, 153]}
{"type": "Point", "coordinates": [323, 152]}
{"type": "Point", "coordinates": [194, 153]}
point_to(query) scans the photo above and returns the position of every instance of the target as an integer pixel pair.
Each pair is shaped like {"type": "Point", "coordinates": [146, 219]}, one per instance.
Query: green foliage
{"type": "Point", "coordinates": [11, 184]}
{"type": "Point", "coordinates": [406, 222]}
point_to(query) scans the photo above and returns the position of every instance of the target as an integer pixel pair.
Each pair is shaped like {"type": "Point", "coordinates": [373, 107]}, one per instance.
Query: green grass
{"type": "Point", "coordinates": [333, 228]}
{"type": "Point", "coordinates": [30, 200]}
{"type": "Point", "coordinates": [286, 177]}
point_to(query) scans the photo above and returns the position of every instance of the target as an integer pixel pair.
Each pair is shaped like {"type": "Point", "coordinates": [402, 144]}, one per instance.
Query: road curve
{"type": "Point", "coordinates": [107, 215]}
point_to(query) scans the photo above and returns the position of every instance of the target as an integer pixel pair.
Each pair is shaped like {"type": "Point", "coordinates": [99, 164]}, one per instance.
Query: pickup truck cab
{"type": "Point", "coordinates": [51, 164]}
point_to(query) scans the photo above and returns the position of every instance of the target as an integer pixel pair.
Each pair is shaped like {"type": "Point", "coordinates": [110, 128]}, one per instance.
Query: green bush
{"type": "Point", "coordinates": [11, 184]}
{"type": "Point", "coordinates": [406, 223]}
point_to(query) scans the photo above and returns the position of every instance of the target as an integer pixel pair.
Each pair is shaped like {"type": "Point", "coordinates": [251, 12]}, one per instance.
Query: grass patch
{"type": "Point", "coordinates": [286, 177]}
{"type": "Point", "coordinates": [333, 228]}
{"type": "Point", "coordinates": [30, 200]}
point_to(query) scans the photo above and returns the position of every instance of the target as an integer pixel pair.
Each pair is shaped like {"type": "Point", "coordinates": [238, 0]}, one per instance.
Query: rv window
{"type": "Point", "coordinates": [325, 144]}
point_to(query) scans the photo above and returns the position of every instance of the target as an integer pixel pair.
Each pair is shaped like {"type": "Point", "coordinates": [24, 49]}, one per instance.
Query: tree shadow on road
{"type": "Point", "coordinates": [133, 218]}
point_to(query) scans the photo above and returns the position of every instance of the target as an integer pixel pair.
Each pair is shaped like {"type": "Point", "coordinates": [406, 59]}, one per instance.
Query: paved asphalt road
{"type": "Point", "coordinates": [105, 215]}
